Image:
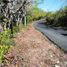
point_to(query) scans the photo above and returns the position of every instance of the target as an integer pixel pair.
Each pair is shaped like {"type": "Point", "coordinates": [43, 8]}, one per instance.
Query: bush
{"type": "Point", "coordinates": [59, 18]}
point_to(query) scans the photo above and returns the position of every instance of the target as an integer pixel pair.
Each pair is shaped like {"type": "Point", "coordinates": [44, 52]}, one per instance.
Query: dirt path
{"type": "Point", "coordinates": [32, 49]}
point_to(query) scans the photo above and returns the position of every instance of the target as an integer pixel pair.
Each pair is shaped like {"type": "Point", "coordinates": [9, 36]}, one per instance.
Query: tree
{"type": "Point", "coordinates": [59, 18]}
{"type": "Point", "coordinates": [14, 11]}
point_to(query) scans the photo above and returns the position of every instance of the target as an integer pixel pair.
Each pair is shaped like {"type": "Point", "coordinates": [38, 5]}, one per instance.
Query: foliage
{"type": "Point", "coordinates": [2, 18]}
{"type": "Point", "coordinates": [36, 14]}
{"type": "Point", "coordinates": [3, 50]}
{"type": "Point", "coordinates": [58, 18]}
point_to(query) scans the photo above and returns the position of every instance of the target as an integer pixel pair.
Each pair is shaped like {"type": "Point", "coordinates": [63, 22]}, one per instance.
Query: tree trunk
{"type": "Point", "coordinates": [25, 23]}
{"type": "Point", "coordinates": [11, 27]}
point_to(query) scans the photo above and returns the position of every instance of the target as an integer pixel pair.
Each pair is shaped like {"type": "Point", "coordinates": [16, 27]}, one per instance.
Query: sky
{"type": "Point", "coordinates": [52, 5]}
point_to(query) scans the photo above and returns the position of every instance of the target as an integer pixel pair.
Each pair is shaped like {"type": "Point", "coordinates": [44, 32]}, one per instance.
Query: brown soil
{"type": "Point", "coordinates": [33, 49]}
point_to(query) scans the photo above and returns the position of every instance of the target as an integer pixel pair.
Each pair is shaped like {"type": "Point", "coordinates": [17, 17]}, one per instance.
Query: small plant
{"type": "Point", "coordinates": [3, 50]}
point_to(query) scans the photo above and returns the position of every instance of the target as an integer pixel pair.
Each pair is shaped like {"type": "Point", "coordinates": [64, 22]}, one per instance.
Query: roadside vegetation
{"type": "Point", "coordinates": [58, 18]}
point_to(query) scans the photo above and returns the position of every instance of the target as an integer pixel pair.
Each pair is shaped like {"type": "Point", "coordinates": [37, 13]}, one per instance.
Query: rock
{"type": "Point", "coordinates": [51, 56]}
{"type": "Point", "coordinates": [65, 64]}
{"type": "Point", "coordinates": [1, 65]}
{"type": "Point", "coordinates": [58, 61]}
{"type": "Point", "coordinates": [56, 66]}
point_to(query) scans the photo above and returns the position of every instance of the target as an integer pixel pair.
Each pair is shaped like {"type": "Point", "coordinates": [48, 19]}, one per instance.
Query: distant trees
{"type": "Point", "coordinates": [36, 14]}
{"type": "Point", "coordinates": [58, 18]}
